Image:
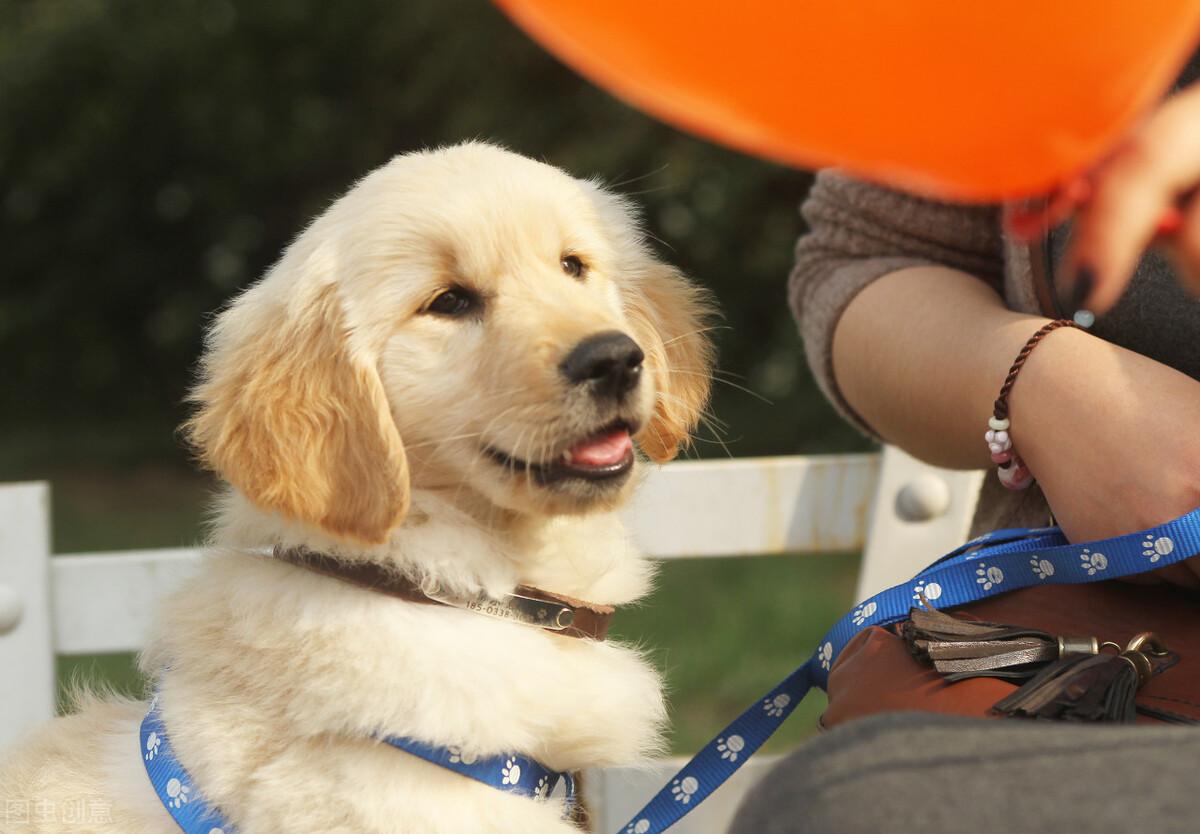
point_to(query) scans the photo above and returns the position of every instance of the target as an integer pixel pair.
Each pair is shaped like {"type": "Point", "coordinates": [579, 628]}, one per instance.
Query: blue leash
{"type": "Point", "coordinates": [992, 564]}
{"type": "Point", "coordinates": [177, 792]}
{"type": "Point", "coordinates": [515, 774]}
{"type": "Point", "coordinates": [984, 567]}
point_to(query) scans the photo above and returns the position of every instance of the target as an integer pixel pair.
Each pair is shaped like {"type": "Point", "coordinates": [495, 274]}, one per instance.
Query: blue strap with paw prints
{"type": "Point", "coordinates": [172, 784]}
{"type": "Point", "coordinates": [178, 794]}
{"type": "Point", "coordinates": [991, 564]}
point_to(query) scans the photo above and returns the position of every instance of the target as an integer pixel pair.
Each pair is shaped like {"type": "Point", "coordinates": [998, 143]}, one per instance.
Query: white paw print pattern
{"type": "Point", "coordinates": [153, 742]}
{"type": "Point", "coordinates": [929, 590]}
{"type": "Point", "coordinates": [729, 748]}
{"type": "Point", "coordinates": [216, 831]}
{"type": "Point", "coordinates": [543, 789]}
{"type": "Point", "coordinates": [683, 790]}
{"type": "Point", "coordinates": [177, 793]}
{"type": "Point", "coordinates": [1093, 563]}
{"type": "Point", "coordinates": [1155, 549]}
{"type": "Point", "coordinates": [639, 827]}
{"type": "Point", "coordinates": [775, 706]}
{"type": "Point", "coordinates": [458, 756]}
{"type": "Point", "coordinates": [826, 655]}
{"type": "Point", "coordinates": [510, 773]}
{"type": "Point", "coordinates": [988, 577]}
{"type": "Point", "coordinates": [1042, 568]}
{"type": "Point", "coordinates": [863, 613]}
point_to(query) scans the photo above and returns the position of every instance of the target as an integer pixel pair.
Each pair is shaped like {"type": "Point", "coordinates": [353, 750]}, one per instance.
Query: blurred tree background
{"type": "Point", "coordinates": [156, 157]}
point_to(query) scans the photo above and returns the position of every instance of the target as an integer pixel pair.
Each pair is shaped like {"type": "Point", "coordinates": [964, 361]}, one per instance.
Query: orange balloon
{"type": "Point", "coordinates": [955, 98]}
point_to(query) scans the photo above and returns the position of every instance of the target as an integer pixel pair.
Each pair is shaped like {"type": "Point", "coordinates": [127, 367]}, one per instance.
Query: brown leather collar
{"type": "Point", "coordinates": [532, 606]}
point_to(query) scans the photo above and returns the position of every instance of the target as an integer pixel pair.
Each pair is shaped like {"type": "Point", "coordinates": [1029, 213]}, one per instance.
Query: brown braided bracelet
{"type": "Point", "coordinates": [1012, 471]}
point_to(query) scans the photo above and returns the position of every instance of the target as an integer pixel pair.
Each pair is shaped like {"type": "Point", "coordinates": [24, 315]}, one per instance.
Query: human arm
{"type": "Point", "coordinates": [1105, 430]}
{"type": "Point", "coordinates": [860, 232]}
{"type": "Point", "coordinates": [920, 354]}
{"type": "Point", "coordinates": [917, 353]}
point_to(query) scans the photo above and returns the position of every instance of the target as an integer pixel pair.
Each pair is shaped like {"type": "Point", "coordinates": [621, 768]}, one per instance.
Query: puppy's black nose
{"type": "Point", "coordinates": [610, 362]}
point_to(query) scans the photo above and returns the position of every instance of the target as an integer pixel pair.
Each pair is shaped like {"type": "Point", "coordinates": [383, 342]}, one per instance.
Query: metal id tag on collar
{"type": "Point", "coordinates": [535, 612]}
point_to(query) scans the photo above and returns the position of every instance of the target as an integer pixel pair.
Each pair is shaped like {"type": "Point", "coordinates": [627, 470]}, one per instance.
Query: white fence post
{"type": "Point", "coordinates": [920, 512]}
{"type": "Point", "coordinates": [26, 645]}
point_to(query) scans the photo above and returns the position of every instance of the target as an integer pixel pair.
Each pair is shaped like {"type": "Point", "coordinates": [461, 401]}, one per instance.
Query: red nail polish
{"type": "Point", "coordinates": [1170, 222]}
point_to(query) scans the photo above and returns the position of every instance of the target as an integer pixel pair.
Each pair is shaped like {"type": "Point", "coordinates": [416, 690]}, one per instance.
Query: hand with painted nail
{"type": "Point", "coordinates": [1143, 194]}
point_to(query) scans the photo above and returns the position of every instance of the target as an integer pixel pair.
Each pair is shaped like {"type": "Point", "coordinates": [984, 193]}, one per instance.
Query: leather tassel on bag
{"type": "Point", "coordinates": [1063, 678]}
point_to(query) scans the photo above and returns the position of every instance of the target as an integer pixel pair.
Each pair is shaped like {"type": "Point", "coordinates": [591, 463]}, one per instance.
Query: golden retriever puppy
{"type": "Point", "coordinates": [439, 384]}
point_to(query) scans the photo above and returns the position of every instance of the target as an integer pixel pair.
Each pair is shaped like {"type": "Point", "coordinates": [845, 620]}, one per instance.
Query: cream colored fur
{"type": "Point", "coordinates": [347, 418]}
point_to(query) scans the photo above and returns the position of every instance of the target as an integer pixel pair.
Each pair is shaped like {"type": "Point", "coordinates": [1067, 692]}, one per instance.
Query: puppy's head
{"type": "Point", "coordinates": [463, 319]}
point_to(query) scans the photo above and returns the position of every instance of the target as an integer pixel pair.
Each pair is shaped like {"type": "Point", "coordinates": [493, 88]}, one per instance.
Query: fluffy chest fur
{"type": "Point", "coordinates": [276, 676]}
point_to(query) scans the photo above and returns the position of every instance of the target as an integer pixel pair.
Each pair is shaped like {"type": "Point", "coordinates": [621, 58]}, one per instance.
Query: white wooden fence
{"type": "Point", "coordinates": [900, 512]}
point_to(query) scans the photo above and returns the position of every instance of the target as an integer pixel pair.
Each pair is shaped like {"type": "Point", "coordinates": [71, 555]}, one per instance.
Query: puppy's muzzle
{"type": "Point", "coordinates": [608, 363]}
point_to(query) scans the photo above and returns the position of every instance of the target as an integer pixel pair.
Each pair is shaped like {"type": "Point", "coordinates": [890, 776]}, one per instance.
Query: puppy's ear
{"type": "Point", "coordinates": [292, 418]}
{"type": "Point", "coordinates": [669, 316]}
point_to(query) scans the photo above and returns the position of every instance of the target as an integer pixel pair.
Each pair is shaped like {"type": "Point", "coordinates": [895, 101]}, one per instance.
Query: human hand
{"type": "Point", "coordinates": [1107, 433]}
{"type": "Point", "coordinates": [1145, 192]}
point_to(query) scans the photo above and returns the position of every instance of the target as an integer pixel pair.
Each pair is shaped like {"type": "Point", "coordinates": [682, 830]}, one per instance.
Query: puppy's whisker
{"type": "Point", "coordinates": [440, 443]}
{"type": "Point", "coordinates": [537, 442]}
{"type": "Point", "coordinates": [710, 442]}
{"type": "Point", "coordinates": [494, 395]}
{"type": "Point", "coordinates": [659, 241]}
{"type": "Point", "coordinates": [716, 438]}
{"type": "Point", "coordinates": [704, 414]}
{"type": "Point", "coordinates": [716, 372]}
{"type": "Point", "coordinates": [732, 385]}
{"type": "Point", "coordinates": [643, 191]}
{"type": "Point", "coordinates": [534, 444]}
{"type": "Point", "coordinates": [442, 440]}
{"type": "Point", "coordinates": [519, 408]}
{"type": "Point", "coordinates": [548, 452]}
{"type": "Point", "coordinates": [706, 420]}
{"type": "Point", "coordinates": [657, 434]}
{"type": "Point", "coordinates": [486, 429]}
{"type": "Point", "coordinates": [701, 330]}
{"type": "Point", "coordinates": [630, 180]}
{"type": "Point", "coordinates": [527, 465]}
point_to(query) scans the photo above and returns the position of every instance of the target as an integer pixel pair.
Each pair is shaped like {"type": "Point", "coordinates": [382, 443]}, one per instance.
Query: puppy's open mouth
{"type": "Point", "coordinates": [603, 455]}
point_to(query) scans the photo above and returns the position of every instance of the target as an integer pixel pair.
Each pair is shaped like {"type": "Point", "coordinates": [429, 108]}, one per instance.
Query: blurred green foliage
{"type": "Point", "coordinates": [155, 157]}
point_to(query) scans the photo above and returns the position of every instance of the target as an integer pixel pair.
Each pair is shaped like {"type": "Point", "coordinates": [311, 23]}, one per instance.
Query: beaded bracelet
{"type": "Point", "coordinates": [1012, 471]}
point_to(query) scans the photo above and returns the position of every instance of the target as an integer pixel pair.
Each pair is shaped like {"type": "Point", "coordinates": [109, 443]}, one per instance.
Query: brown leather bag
{"type": "Point", "coordinates": [877, 672]}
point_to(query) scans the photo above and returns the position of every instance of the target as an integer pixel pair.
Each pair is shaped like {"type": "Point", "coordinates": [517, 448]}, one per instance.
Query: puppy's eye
{"type": "Point", "coordinates": [573, 266]}
{"type": "Point", "coordinates": [454, 302]}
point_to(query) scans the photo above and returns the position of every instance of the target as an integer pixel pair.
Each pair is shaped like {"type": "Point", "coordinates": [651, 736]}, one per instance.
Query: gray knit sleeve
{"type": "Point", "coordinates": [859, 232]}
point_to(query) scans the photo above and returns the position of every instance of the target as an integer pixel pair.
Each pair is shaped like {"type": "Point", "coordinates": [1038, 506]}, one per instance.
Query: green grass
{"type": "Point", "coordinates": [109, 672]}
{"type": "Point", "coordinates": [722, 630]}
{"type": "Point", "coordinates": [146, 507]}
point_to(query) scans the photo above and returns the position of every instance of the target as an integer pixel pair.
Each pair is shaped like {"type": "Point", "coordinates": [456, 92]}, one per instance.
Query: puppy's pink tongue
{"type": "Point", "coordinates": [601, 451]}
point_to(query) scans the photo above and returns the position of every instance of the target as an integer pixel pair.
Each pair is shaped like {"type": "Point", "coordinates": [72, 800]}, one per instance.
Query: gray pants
{"type": "Point", "coordinates": [933, 774]}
